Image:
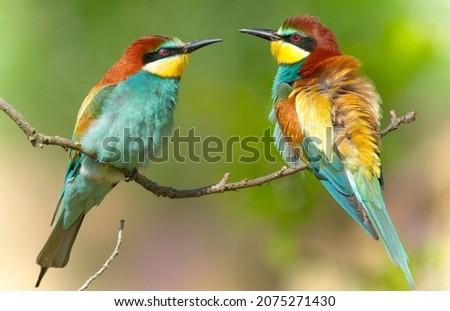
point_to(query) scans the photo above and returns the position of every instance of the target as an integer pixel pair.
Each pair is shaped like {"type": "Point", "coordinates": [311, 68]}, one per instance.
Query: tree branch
{"type": "Point", "coordinates": [39, 140]}
{"type": "Point", "coordinates": [109, 260]}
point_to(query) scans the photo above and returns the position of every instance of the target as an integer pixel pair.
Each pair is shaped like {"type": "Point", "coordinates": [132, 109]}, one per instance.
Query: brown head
{"type": "Point", "coordinates": [299, 37]}
{"type": "Point", "coordinates": [164, 56]}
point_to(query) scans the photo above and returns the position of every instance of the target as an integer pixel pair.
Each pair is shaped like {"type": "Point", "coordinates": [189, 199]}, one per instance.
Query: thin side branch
{"type": "Point", "coordinates": [397, 121]}
{"type": "Point", "coordinates": [39, 140]}
{"type": "Point", "coordinates": [109, 260]}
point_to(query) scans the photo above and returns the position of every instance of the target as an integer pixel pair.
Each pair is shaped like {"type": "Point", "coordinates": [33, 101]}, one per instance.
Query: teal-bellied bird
{"type": "Point", "coordinates": [135, 99]}
{"type": "Point", "coordinates": [327, 116]}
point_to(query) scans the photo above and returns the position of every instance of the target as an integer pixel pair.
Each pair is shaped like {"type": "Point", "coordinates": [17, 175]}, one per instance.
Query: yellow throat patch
{"type": "Point", "coordinates": [171, 67]}
{"type": "Point", "coordinates": [286, 53]}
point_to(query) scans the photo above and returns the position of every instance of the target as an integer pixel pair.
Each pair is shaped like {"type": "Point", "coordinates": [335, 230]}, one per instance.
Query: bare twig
{"type": "Point", "coordinates": [39, 140]}
{"type": "Point", "coordinates": [109, 260]}
{"type": "Point", "coordinates": [397, 121]}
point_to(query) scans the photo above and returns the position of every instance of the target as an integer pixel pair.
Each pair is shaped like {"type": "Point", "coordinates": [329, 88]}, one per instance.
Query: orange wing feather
{"type": "Point", "coordinates": [356, 115]}
{"type": "Point", "coordinates": [288, 122]}
{"type": "Point", "coordinates": [354, 110]}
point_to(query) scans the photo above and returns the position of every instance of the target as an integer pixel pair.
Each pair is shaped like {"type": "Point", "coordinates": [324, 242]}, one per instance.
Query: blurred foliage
{"type": "Point", "coordinates": [286, 235]}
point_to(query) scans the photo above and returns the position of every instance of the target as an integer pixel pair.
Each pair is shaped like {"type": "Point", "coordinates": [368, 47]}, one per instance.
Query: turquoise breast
{"type": "Point", "coordinates": [133, 120]}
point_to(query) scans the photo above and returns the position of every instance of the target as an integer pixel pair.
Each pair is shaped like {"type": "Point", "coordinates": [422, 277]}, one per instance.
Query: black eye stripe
{"type": "Point", "coordinates": [306, 43]}
{"type": "Point", "coordinates": [155, 55]}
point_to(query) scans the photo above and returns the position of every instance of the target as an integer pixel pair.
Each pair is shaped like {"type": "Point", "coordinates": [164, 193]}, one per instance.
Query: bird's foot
{"type": "Point", "coordinates": [131, 175]}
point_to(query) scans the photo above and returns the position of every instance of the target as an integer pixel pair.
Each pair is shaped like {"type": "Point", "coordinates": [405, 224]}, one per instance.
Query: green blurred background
{"type": "Point", "coordinates": [288, 235]}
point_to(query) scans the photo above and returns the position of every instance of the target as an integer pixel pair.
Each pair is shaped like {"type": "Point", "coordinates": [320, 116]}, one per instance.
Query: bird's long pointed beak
{"type": "Point", "coordinates": [267, 34]}
{"type": "Point", "coordinates": [191, 46]}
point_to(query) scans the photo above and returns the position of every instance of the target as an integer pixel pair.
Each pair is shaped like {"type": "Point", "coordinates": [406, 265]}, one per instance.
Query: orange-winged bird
{"type": "Point", "coordinates": [327, 116]}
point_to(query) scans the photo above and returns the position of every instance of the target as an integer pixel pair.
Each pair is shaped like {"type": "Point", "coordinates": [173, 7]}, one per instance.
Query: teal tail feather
{"type": "Point", "coordinates": [370, 195]}
{"type": "Point", "coordinates": [389, 236]}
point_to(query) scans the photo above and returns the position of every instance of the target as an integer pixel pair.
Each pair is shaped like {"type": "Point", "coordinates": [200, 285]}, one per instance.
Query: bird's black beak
{"type": "Point", "coordinates": [191, 46]}
{"type": "Point", "coordinates": [267, 34]}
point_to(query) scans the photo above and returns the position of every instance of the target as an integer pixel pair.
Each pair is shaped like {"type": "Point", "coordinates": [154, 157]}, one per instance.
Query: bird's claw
{"type": "Point", "coordinates": [131, 175]}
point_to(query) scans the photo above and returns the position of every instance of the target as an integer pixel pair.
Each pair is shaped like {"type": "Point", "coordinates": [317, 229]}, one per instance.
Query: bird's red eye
{"type": "Point", "coordinates": [296, 37]}
{"type": "Point", "coordinates": [163, 52]}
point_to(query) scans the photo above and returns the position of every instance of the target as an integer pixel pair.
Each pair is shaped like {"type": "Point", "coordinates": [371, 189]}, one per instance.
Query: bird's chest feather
{"type": "Point", "coordinates": [134, 119]}
{"type": "Point", "coordinates": [314, 117]}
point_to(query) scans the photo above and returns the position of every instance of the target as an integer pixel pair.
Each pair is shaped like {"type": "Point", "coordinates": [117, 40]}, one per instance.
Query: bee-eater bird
{"type": "Point", "coordinates": [136, 100]}
{"type": "Point", "coordinates": [327, 116]}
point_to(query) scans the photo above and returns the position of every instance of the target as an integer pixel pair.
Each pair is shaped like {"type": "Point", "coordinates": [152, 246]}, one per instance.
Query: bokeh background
{"type": "Point", "coordinates": [288, 235]}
